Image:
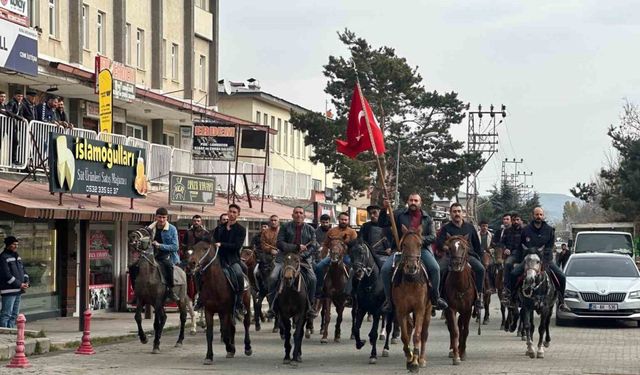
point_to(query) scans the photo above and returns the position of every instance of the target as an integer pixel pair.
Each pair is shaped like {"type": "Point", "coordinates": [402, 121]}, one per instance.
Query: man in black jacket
{"type": "Point", "coordinates": [458, 227]}
{"type": "Point", "coordinates": [375, 236]}
{"type": "Point", "coordinates": [538, 234]}
{"type": "Point", "coordinates": [512, 241]}
{"type": "Point", "coordinates": [13, 282]}
{"type": "Point", "coordinates": [412, 217]}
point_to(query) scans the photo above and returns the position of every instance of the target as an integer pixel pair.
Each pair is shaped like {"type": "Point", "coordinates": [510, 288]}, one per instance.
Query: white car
{"type": "Point", "coordinates": [601, 286]}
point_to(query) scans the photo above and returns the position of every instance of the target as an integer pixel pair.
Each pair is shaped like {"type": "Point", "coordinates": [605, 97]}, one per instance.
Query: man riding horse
{"type": "Point", "coordinates": [266, 253]}
{"type": "Point", "coordinates": [196, 233]}
{"type": "Point", "coordinates": [296, 237]}
{"type": "Point", "coordinates": [539, 234]}
{"type": "Point", "coordinates": [458, 227]}
{"type": "Point", "coordinates": [321, 233]}
{"type": "Point", "coordinates": [512, 240]}
{"type": "Point", "coordinates": [165, 243]}
{"type": "Point", "coordinates": [372, 234]}
{"type": "Point", "coordinates": [412, 217]}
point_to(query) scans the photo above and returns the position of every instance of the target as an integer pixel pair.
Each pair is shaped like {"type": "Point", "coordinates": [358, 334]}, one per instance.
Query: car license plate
{"type": "Point", "coordinates": [603, 306]}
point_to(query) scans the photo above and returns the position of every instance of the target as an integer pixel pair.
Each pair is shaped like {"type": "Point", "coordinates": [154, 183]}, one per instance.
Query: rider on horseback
{"type": "Point", "coordinates": [196, 233]}
{"type": "Point", "coordinates": [412, 217]}
{"type": "Point", "coordinates": [512, 241]}
{"type": "Point", "coordinates": [296, 236]}
{"type": "Point", "coordinates": [321, 233]}
{"type": "Point", "coordinates": [486, 239]}
{"type": "Point", "coordinates": [375, 237]}
{"type": "Point", "coordinates": [535, 235]}
{"type": "Point", "coordinates": [458, 227]}
{"type": "Point", "coordinates": [266, 252]}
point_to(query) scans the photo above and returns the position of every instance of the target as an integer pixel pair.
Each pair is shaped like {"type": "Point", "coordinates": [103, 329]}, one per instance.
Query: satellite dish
{"type": "Point", "coordinates": [227, 86]}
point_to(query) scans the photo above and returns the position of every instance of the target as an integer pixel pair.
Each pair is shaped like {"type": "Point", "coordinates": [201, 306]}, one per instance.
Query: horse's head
{"type": "Point", "coordinates": [533, 271]}
{"type": "Point", "coordinates": [487, 259]}
{"type": "Point", "coordinates": [196, 254]}
{"type": "Point", "coordinates": [247, 255]}
{"type": "Point", "coordinates": [337, 250]}
{"type": "Point", "coordinates": [411, 247]}
{"type": "Point", "coordinates": [290, 268]}
{"type": "Point", "coordinates": [499, 255]}
{"type": "Point", "coordinates": [458, 249]}
{"type": "Point", "coordinates": [140, 240]}
{"type": "Point", "coordinates": [361, 260]}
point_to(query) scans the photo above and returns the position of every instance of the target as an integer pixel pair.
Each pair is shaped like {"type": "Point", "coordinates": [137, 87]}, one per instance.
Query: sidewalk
{"type": "Point", "coordinates": [63, 333]}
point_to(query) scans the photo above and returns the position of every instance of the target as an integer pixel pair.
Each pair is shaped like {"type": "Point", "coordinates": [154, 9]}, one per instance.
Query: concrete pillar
{"type": "Point", "coordinates": [74, 112]}
{"type": "Point", "coordinates": [75, 31]}
{"type": "Point", "coordinates": [119, 29]}
{"type": "Point", "coordinates": [214, 7]}
{"type": "Point", "coordinates": [189, 36]}
{"type": "Point", "coordinates": [157, 126]}
{"type": "Point", "coordinates": [157, 14]}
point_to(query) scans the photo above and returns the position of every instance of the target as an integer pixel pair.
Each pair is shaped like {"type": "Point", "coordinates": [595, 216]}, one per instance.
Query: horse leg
{"type": "Point", "coordinates": [404, 336]}
{"type": "Point", "coordinates": [257, 310]}
{"type": "Point", "coordinates": [326, 319]}
{"type": "Point", "coordinates": [541, 330]}
{"type": "Point", "coordinates": [208, 359]}
{"type": "Point", "coordinates": [192, 316]}
{"type": "Point", "coordinates": [229, 334]}
{"type": "Point", "coordinates": [286, 328]}
{"type": "Point", "coordinates": [182, 305]}
{"type": "Point", "coordinates": [526, 322]}
{"type": "Point", "coordinates": [547, 341]}
{"type": "Point", "coordinates": [423, 338]}
{"type": "Point", "coordinates": [247, 325]}
{"type": "Point", "coordinates": [503, 322]}
{"type": "Point", "coordinates": [396, 332]}
{"type": "Point", "coordinates": [373, 338]}
{"type": "Point", "coordinates": [463, 327]}
{"type": "Point", "coordinates": [138, 318]}
{"type": "Point", "coordinates": [354, 309]}
{"type": "Point", "coordinates": [339, 311]}
{"type": "Point", "coordinates": [487, 302]}
{"type": "Point", "coordinates": [159, 319]}
{"type": "Point", "coordinates": [297, 339]}
{"type": "Point", "coordinates": [388, 325]}
{"type": "Point", "coordinates": [383, 321]}
{"type": "Point", "coordinates": [417, 339]}
{"type": "Point", "coordinates": [454, 335]}
{"type": "Point", "coordinates": [355, 331]}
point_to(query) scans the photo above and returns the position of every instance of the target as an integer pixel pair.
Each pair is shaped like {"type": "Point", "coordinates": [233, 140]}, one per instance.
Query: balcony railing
{"type": "Point", "coordinates": [20, 143]}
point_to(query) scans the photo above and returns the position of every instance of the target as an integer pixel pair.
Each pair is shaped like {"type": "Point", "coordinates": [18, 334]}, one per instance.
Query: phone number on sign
{"type": "Point", "coordinates": [102, 190]}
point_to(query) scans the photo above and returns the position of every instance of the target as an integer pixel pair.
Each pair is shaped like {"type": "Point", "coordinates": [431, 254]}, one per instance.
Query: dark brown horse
{"type": "Point", "coordinates": [498, 275]}
{"type": "Point", "coordinates": [150, 290]}
{"type": "Point", "coordinates": [333, 285]}
{"type": "Point", "coordinates": [218, 298]}
{"type": "Point", "coordinates": [460, 292]}
{"type": "Point", "coordinates": [410, 295]}
{"type": "Point", "coordinates": [248, 257]}
{"type": "Point", "coordinates": [291, 305]}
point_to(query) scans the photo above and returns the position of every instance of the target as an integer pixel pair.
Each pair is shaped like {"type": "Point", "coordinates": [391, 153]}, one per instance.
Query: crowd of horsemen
{"type": "Point", "coordinates": [276, 239]}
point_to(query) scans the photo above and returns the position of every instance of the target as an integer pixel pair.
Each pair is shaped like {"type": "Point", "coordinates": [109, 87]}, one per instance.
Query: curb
{"type": "Point", "coordinates": [32, 346]}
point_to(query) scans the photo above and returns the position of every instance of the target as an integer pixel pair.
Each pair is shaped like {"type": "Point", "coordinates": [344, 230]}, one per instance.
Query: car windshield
{"type": "Point", "coordinates": [599, 267]}
{"type": "Point", "coordinates": [603, 243]}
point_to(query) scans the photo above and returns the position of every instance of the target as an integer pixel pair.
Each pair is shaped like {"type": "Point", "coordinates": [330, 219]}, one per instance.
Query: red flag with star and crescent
{"type": "Point", "coordinates": [358, 139]}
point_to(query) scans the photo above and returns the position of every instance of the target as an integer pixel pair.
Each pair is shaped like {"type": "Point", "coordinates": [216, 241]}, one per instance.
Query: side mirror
{"type": "Point", "coordinates": [570, 243]}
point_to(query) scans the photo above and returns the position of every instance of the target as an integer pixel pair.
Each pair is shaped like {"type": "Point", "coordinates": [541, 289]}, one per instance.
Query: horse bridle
{"type": "Point", "coordinates": [147, 254]}
{"type": "Point", "coordinates": [404, 257]}
{"type": "Point", "coordinates": [463, 259]}
{"type": "Point", "coordinates": [539, 283]}
{"type": "Point", "coordinates": [367, 270]}
{"type": "Point", "coordinates": [250, 251]}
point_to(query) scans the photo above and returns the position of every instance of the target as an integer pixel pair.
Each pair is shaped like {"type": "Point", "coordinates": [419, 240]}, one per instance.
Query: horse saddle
{"type": "Point", "coordinates": [232, 280]}
{"type": "Point", "coordinates": [179, 276]}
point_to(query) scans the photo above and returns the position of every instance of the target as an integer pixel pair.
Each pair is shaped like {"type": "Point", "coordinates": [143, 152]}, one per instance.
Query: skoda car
{"type": "Point", "coordinates": [601, 286]}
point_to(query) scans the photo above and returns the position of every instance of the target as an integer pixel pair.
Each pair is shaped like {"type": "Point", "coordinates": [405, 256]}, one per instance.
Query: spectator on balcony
{"type": "Point", "coordinates": [46, 112]}
{"type": "Point", "coordinates": [27, 110]}
{"type": "Point", "coordinates": [3, 99]}
{"type": "Point", "coordinates": [60, 113]}
{"type": "Point", "coordinates": [14, 104]}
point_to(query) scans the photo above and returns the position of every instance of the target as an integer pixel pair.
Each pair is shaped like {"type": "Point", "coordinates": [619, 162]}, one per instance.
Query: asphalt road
{"type": "Point", "coordinates": [585, 348]}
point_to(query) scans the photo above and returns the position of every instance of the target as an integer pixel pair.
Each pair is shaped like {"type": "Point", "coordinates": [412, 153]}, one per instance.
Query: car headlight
{"type": "Point", "coordinates": [570, 294]}
{"type": "Point", "coordinates": [635, 294]}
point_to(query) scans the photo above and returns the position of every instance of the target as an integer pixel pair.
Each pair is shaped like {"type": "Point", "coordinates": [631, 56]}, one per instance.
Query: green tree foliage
{"type": "Point", "coordinates": [505, 199]}
{"type": "Point", "coordinates": [406, 112]}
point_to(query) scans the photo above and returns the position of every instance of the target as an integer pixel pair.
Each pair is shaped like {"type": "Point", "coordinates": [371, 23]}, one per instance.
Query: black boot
{"type": "Point", "coordinates": [239, 309]}
{"type": "Point", "coordinates": [311, 311]}
{"type": "Point", "coordinates": [171, 295]}
{"type": "Point", "coordinates": [479, 305]}
{"type": "Point", "coordinates": [438, 302]}
{"type": "Point", "coordinates": [387, 306]}
{"type": "Point", "coordinates": [561, 305]}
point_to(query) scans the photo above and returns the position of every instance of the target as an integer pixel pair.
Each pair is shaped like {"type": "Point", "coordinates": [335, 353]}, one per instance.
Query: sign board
{"type": "Point", "coordinates": [92, 110]}
{"type": "Point", "coordinates": [18, 48]}
{"type": "Point", "coordinates": [15, 11]}
{"type": "Point", "coordinates": [124, 78]}
{"type": "Point", "coordinates": [87, 166]}
{"type": "Point", "coordinates": [190, 189]}
{"type": "Point", "coordinates": [105, 101]}
{"type": "Point", "coordinates": [254, 139]}
{"type": "Point", "coordinates": [214, 141]}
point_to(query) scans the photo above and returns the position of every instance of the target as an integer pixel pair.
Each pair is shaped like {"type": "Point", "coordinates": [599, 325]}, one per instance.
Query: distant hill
{"type": "Point", "coordinates": [553, 204]}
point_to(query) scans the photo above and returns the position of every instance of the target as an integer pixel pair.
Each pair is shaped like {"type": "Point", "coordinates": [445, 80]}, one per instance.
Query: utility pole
{"type": "Point", "coordinates": [523, 188]}
{"type": "Point", "coordinates": [509, 178]}
{"type": "Point", "coordinates": [482, 138]}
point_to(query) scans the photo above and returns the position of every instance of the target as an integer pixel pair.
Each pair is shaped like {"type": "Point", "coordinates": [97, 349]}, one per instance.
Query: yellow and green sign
{"type": "Point", "coordinates": [105, 100]}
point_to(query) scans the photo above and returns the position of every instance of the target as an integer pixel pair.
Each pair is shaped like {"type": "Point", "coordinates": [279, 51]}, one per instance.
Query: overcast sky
{"type": "Point", "coordinates": [563, 68]}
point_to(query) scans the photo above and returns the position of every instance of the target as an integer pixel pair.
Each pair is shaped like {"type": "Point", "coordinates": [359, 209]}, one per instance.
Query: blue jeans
{"type": "Point", "coordinates": [9, 312]}
{"type": "Point", "coordinates": [321, 268]}
{"type": "Point", "coordinates": [430, 263]}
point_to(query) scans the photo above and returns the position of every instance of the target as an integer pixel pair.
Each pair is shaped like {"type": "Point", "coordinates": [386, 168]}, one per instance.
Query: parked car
{"type": "Point", "coordinates": [601, 286]}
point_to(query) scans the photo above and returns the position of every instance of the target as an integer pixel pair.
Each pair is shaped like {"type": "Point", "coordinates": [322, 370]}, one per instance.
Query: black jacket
{"type": "Point", "coordinates": [375, 237]}
{"type": "Point", "coordinates": [12, 273]}
{"type": "Point", "coordinates": [533, 237]}
{"type": "Point", "coordinates": [403, 217]}
{"type": "Point", "coordinates": [231, 242]}
{"type": "Point", "coordinates": [512, 239]}
{"type": "Point", "coordinates": [286, 239]}
{"type": "Point", "coordinates": [465, 229]}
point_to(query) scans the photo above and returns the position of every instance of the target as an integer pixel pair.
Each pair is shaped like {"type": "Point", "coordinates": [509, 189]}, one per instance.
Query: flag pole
{"type": "Point", "coordinates": [375, 152]}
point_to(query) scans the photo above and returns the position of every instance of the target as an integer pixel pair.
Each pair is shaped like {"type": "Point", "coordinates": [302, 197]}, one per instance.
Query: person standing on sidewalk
{"type": "Point", "coordinates": [13, 282]}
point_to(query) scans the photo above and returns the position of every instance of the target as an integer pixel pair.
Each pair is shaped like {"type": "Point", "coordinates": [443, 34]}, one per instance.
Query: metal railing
{"type": "Point", "coordinates": [117, 139]}
{"type": "Point", "coordinates": [159, 163]}
{"type": "Point", "coordinates": [181, 161]}
{"type": "Point", "coordinates": [13, 136]}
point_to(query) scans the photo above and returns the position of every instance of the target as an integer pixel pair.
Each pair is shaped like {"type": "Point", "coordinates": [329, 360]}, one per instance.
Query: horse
{"type": "Point", "coordinates": [333, 286]}
{"type": "Point", "coordinates": [460, 292]}
{"type": "Point", "coordinates": [369, 295]}
{"type": "Point", "coordinates": [248, 257]}
{"type": "Point", "coordinates": [537, 293]}
{"type": "Point", "coordinates": [498, 276]}
{"type": "Point", "coordinates": [291, 305]}
{"type": "Point", "coordinates": [150, 290]}
{"type": "Point", "coordinates": [410, 296]}
{"type": "Point", "coordinates": [218, 298]}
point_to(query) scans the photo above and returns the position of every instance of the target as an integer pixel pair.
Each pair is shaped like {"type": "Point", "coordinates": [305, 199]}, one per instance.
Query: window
{"type": "Point", "coordinates": [140, 48]}
{"type": "Point", "coordinates": [303, 148]}
{"type": "Point", "coordinates": [34, 15]}
{"type": "Point", "coordinates": [279, 136]}
{"type": "Point", "coordinates": [266, 120]}
{"type": "Point", "coordinates": [169, 139]}
{"type": "Point", "coordinates": [53, 18]}
{"type": "Point", "coordinates": [258, 117]}
{"type": "Point", "coordinates": [174, 61]}
{"type": "Point", "coordinates": [100, 32]}
{"type": "Point", "coordinates": [203, 73]}
{"type": "Point", "coordinates": [164, 58]}
{"type": "Point", "coordinates": [273, 126]}
{"type": "Point", "coordinates": [285, 138]}
{"type": "Point", "coordinates": [292, 145]}
{"type": "Point", "coordinates": [135, 131]}
{"type": "Point", "coordinates": [85, 26]}
{"type": "Point", "coordinates": [317, 184]}
{"type": "Point", "coordinates": [127, 44]}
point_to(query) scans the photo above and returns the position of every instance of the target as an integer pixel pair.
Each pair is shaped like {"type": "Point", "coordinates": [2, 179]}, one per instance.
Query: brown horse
{"type": "Point", "coordinates": [460, 292]}
{"type": "Point", "coordinates": [333, 285]}
{"type": "Point", "coordinates": [218, 298]}
{"type": "Point", "coordinates": [248, 257]}
{"type": "Point", "coordinates": [410, 295]}
{"type": "Point", "coordinates": [487, 263]}
{"type": "Point", "coordinates": [498, 275]}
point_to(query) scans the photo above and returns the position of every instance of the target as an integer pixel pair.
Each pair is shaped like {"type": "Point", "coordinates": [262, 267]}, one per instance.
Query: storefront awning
{"type": "Point", "coordinates": [33, 200]}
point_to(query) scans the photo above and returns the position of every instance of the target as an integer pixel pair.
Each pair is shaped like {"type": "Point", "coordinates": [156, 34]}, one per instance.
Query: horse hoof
{"type": "Point", "coordinates": [155, 351]}
{"type": "Point", "coordinates": [307, 335]}
{"type": "Point", "coordinates": [178, 345]}
{"type": "Point", "coordinates": [385, 353]}
{"type": "Point", "coordinates": [144, 340]}
{"type": "Point", "coordinates": [248, 352]}
{"type": "Point", "coordinates": [373, 361]}
{"type": "Point", "coordinates": [463, 356]}
{"type": "Point", "coordinates": [192, 333]}
{"type": "Point", "coordinates": [258, 328]}
{"type": "Point", "coordinates": [413, 367]}
{"type": "Point", "coordinates": [382, 337]}
{"type": "Point", "coordinates": [360, 344]}
{"type": "Point", "coordinates": [281, 336]}
{"type": "Point", "coordinates": [423, 363]}
{"type": "Point", "coordinates": [297, 359]}
{"type": "Point", "coordinates": [394, 340]}
{"type": "Point", "coordinates": [540, 355]}
{"type": "Point", "coordinates": [336, 340]}
{"type": "Point", "coordinates": [546, 344]}
{"type": "Point", "coordinates": [352, 337]}
{"type": "Point", "coordinates": [286, 361]}
{"type": "Point", "coordinates": [530, 353]}
{"type": "Point", "coordinates": [522, 338]}
{"type": "Point", "coordinates": [485, 322]}
{"type": "Point", "coordinates": [207, 362]}
{"type": "Point", "coordinates": [230, 355]}
{"type": "Point", "coordinates": [456, 361]}
{"type": "Point", "coordinates": [274, 330]}
{"type": "Point", "coordinates": [450, 353]}
{"type": "Point", "coordinates": [324, 341]}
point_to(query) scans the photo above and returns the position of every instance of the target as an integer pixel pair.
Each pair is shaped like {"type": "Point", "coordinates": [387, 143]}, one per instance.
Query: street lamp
{"type": "Point", "coordinates": [428, 135]}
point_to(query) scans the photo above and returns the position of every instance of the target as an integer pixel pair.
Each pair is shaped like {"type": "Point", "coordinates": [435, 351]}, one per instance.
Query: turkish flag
{"type": "Point", "coordinates": [358, 139]}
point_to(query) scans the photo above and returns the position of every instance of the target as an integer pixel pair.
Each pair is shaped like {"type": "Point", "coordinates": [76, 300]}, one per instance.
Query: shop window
{"type": "Point", "coordinates": [135, 131]}
{"type": "Point", "coordinates": [101, 252]}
